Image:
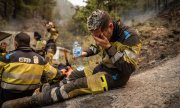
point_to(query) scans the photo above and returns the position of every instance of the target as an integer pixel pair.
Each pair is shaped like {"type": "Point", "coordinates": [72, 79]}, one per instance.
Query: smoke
{"type": "Point", "coordinates": [139, 15]}
{"type": "Point", "coordinates": [28, 25]}
{"type": "Point", "coordinates": [12, 25]}
{"type": "Point", "coordinates": [136, 16]}
{"type": "Point", "coordinates": [62, 15]}
{"type": "Point", "coordinates": [63, 12]}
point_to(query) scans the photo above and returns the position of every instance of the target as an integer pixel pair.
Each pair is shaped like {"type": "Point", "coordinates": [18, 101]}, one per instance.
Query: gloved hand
{"type": "Point", "coordinates": [67, 71]}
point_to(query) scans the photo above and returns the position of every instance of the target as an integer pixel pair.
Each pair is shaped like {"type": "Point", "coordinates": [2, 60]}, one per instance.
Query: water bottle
{"type": "Point", "coordinates": [77, 52]}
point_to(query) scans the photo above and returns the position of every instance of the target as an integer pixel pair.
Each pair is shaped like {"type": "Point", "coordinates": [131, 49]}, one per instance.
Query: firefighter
{"type": "Point", "coordinates": [22, 70]}
{"type": "Point", "coordinates": [53, 33]}
{"type": "Point", "coordinates": [39, 44]}
{"type": "Point", "coordinates": [3, 51]}
{"type": "Point", "coordinates": [50, 47]}
{"type": "Point", "coordinates": [119, 46]}
{"type": "Point", "coordinates": [3, 47]}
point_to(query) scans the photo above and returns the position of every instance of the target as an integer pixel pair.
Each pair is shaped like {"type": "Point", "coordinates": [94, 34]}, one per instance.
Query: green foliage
{"type": "Point", "coordinates": [78, 24]}
{"type": "Point", "coordinates": [21, 9]}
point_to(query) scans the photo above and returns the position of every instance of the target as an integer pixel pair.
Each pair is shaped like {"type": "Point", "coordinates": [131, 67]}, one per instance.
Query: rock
{"type": "Point", "coordinates": [171, 36]}
{"type": "Point", "coordinates": [145, 47]}
{"type": "Point", "coordinates": [162, 47]}
{"type": "Point", "coordinates": [166, 25]}
{"type": "Point", "coordinates": [162, 56]}
{"type": "Point", "coordinates": [152, 42]}
{"type": "Point", "coordinates": [175, 31]}
{"type": "Point", "coordinates": [152, 62]}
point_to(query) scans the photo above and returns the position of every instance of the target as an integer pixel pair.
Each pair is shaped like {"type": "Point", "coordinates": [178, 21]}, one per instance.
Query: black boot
{"type": "Point", "coordinates": [39, 100]}
{"type": "Point", "coordinates": [17, 103]}
{"type": "Point", "coordinates": [29, 102]}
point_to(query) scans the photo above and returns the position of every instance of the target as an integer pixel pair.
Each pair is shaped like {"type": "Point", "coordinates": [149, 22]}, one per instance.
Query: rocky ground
{"type": "Point", "coordinates": [156, 83]}
{"type": "Point", "coordinates": [160, 37]}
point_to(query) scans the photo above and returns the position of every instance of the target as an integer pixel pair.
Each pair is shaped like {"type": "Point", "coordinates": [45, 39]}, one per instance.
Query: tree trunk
{"type": "Point", "coordinates": [165, 3]}
{"type": "Point", "coordinates": [159, 4]}
{"type": "Point", "coordinates": [5, 9]}
{"type": "Point", "coordinates": [155, 4]}
{"type": "Point", "coordinates": [15, 9]}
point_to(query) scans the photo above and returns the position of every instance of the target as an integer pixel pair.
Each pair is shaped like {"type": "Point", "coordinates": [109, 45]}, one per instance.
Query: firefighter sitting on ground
{"type": "Point", "coordinates": [52, 36]}
{"type": "Point", "coordinates": [3, 51]}
{"type": "Point", "coordinates": [3, 47]}
{"type": "Point", "coordinates": [119, 45]}
{"type": "Point", "coordinates": [39, 44]}
{"type": "Point", "coordinates": [22, 70]}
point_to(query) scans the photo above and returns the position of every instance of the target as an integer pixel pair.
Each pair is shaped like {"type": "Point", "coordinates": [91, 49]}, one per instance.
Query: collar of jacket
{"type": "Point", "coordinates": [24, 48]}
{"type": "Point", "coordinates": [116, 32]}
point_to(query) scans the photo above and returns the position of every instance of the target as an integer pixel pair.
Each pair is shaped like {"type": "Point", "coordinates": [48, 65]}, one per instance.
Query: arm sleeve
{"type": "Point", "coordinates": [50, 71]}
{"type": "Point", "coordinates": [93, 50]}
{"type": "Point", "coordinates": [123, 55]}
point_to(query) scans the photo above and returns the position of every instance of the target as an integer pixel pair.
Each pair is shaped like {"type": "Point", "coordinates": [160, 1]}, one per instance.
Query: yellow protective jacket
{"type": "Point", "coordinates": [22, 70]}
{"type": "Point", "coordinates": [125, 45]}
{"type": "Point", "coordinates": [54, 34]}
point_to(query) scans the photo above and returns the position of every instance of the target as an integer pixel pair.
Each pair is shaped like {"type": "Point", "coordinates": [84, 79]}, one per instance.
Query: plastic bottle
{"type": "Point", "coordinates": [77, 52]}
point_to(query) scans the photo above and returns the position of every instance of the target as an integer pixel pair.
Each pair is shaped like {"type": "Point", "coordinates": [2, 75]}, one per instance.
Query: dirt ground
{"type": "Point", "coordinates": [160, 37]}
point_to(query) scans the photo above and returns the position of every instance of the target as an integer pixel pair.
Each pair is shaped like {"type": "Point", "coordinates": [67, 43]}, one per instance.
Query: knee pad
{"type": "Point", "coordinates": [97, 82]}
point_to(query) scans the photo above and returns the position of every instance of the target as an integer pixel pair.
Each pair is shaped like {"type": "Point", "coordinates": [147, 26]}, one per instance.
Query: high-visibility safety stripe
{"type": "Point", "coordinates": [116, 57]}
{"type": "Point", "coordinates": [54, 95]}
{"type": "Point", "coordinates": [130, 54]}
{"type": "Point", "coordinates": [21, 76]}
{"type": "Point", "coordinates": [93, 48]}
{"type": "Point", "coordinates": [5, 85]}
{"type": "Point", "coordinates": [18, 81]}
{"type": "Point", "coordinates": [119, 54]}
{"type": "Point", "coordinates": [21, 68]}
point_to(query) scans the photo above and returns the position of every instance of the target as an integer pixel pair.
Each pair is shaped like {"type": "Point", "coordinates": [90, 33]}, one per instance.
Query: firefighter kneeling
{"type": "Point", "coordinates": [119, 45]}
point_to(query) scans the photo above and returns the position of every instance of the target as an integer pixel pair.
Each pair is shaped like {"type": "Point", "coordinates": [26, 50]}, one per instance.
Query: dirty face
{"type": "Point", "coordinates": [3, 45]}
{"type": "Point", "coordinates": [107, 32]}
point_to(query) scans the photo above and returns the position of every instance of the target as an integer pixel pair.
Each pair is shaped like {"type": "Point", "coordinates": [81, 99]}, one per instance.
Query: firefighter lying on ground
{"type": "Point", "coordinates": [119, 46]}
{"type": "Point", "coordinates": [22, 70]}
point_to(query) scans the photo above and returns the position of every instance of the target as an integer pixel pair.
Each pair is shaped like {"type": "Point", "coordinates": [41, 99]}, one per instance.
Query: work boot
{"type": "Point", "coordinates": [26, 102]}
{"type": "Point", "coordinates": [39, 100]}
{"type": "Point", "coordinates": [17, 103]}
